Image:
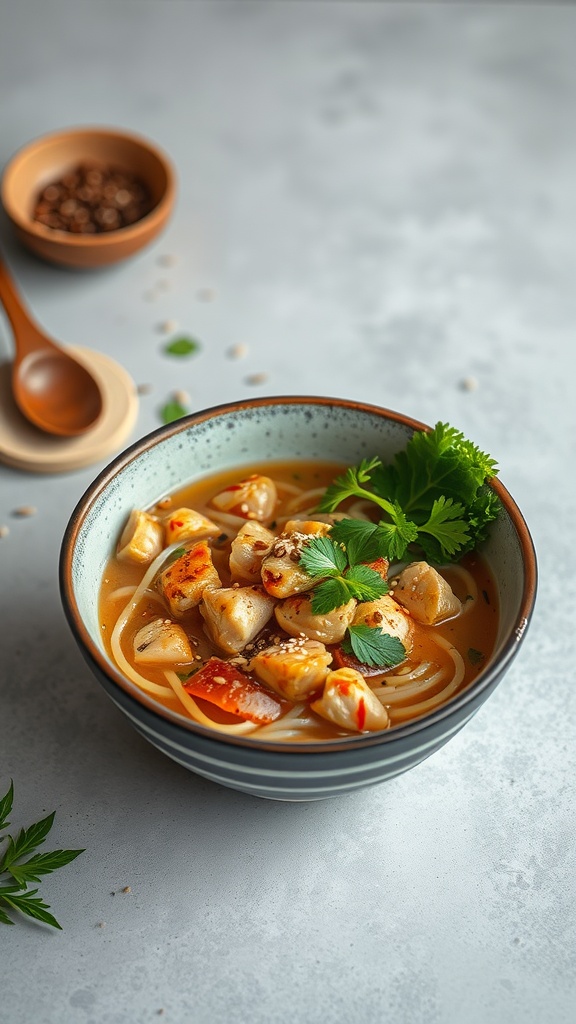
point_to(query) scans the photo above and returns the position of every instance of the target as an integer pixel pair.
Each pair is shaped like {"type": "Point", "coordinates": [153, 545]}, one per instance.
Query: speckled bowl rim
{"type": "Point", "coordinates": [106, 240]}
{"type": "Point", "coordinates": [486, 679]}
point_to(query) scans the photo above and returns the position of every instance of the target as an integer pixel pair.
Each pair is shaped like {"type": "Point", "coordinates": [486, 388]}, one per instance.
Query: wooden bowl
{"type": "Point", "coordinates": [48, 158]}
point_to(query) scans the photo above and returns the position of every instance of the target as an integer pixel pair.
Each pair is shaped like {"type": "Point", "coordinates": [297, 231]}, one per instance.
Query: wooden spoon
{"type": "Point", "coordinates": [51, 388]}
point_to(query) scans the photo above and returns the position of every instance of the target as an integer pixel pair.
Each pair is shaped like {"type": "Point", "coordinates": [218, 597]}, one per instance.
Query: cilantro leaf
{"type": "Point", "coordinates": [182, 347]}
{"type": "Point", "coordinates": [330, 594]}
{"type": "Point", "coordinates": [350, 484]}
{"type": "Point", "coordinates": [373, 647]}
{"type": "Point", "coordinates": [321, 557]}
{"type": "Point", "coordinates": [172, 411]}
{"type": "Point", "coordinates": [365, 584]}
{"type": "Point", "coordinates": [433, 493]}
{"type": "Point", "coordinates": [364, 541]}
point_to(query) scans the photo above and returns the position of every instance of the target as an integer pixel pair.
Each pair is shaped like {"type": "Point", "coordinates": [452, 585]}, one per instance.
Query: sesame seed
{"type": "Point", "coordinates": [257, 378]}
{"type": "Point", "coordinates": [168, 326]}
{"type": "Point", "coordinates": [469, 384]}
{"type": "Point", "coordinates": [182, 397]}
{"type": "Point", "coordinates": [238, 352]}
{"type": "Point", "coordinates": [24, 511]}
{"type": "Point", "coordinates": [4, 531]}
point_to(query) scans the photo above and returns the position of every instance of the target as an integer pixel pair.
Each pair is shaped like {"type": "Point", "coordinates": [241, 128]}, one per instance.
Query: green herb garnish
{"type": "Point", "coordinates": [434, 494]}
{"type": "Point", "coordinates": [182, 347]}
{"type": "Point", "coordinates": [15, 874]}
{"type": "Point", "coordinates": [474, 656]}
{"type": "Point", "coordinates": [327, 561]}
{"type": "Point", "coordinates": [373, 647]}
{"type": "Point", "coordinates": [172, 411]}
{"type": "Point", "coordinates": [338, 563]}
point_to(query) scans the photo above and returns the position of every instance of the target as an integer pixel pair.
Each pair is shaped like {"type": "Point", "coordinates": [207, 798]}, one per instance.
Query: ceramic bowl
{"type": "Point", "coordinates": [237, 435]}
{"type": "Point", "coordinates": [47, 159]}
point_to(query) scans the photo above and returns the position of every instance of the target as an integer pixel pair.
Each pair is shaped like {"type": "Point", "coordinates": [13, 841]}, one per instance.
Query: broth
{"type": "Point", "coordinates": [443, 659]}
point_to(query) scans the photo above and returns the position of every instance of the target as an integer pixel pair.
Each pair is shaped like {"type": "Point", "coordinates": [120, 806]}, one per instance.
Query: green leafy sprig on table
{"type": "Point", "coordinates": [433, 495]}
{"type": "Point", "coordinates": [16, 873]}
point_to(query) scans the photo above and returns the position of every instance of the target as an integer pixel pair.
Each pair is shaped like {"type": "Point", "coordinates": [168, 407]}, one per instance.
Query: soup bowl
{"type": "Point", "coordinates": [260, 431]}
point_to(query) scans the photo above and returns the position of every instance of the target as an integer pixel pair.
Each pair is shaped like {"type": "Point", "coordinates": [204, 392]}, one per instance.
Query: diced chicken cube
{"type": "Point", "coordinates": [252, 498]}
{"type": "Point", "coordinates": [233, 616]}
{"type": "Point", "coordinates": [282, 576]}
{"type": "Point", "coordinates": [295, 616]}
{"type": "Point", "coordinates": [185, 581]}
{"type": "Point", "coordinates": [348, 701]}
{"type": "Point", "coordinates": [426, 594]}
{"type": "Point", "coordinates": [294, 668]}
{"type": "Point", "coordinates": [142, 539]}
{"type": "Point", "coordinates": [388, 616]}
{"type": "Point", "coordinates": [309, 527]}
{"type": "Point", "coordinates": [250, 546]}
{"type": "Point", "coordinates": [162, 642]}
{"type": "Point", "coordinates": [187, 524]}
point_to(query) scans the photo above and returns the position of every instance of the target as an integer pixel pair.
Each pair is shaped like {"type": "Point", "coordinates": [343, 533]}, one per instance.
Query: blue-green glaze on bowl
{"type": "Point", "coordinates": [240, 434]}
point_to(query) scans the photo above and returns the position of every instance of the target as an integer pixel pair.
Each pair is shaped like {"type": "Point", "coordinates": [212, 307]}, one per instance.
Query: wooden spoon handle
{"type": "Point", "coordinates": [27, 335]}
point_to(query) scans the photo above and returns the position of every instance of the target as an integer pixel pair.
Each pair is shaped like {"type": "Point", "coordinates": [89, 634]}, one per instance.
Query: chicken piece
{"type": "Point", "coordinates": [295, 616]}
{"type": "Point", "coordinates": [426, 594]}
{"type": "Point", "coordinates": [381, 566]}
{"type": "Point", "coordinates": [310, 527]}
{"type": "Point", "coordinates": [142, 539]}
{"type": "Point", "coordinates": [388, 616]}
{"type": "Point", "coordinates": [185, 581]}
{"type": "Point", "coordinates": [251, 544]}
{"type": "Point", "coordinates": [233, 616]}
{"type": "Point", "coordinates": [162, 642]}
{"type": "Point", "coordinates": [348, 701]}
{"type": "Point", "coordinates": [282, 576]}
{"type": "Point", "coordinates": [294, 668]}
{"type": "Point", "coordinates": [187, 524]}
{"type": "Point", "coordinates": [252, 498]}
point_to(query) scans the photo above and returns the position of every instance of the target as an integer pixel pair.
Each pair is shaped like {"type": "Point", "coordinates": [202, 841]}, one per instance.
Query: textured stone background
{"type": "Point", "coordinates": [378, 201]}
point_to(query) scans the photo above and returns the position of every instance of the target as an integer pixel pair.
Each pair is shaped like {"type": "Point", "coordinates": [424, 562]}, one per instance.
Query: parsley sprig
{"type": "Point", "coordinates": [325, 559]}
{"type": "Point", "coordinates": [15, 874]}
{"type": "Point", "coordinates": [433, 494]}
{"type": "Point", "coordinates": [337, 561]}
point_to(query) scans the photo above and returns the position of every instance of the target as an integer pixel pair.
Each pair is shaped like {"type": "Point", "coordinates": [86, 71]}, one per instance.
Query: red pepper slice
{"type": "Point", "coordinates": [233, 691]}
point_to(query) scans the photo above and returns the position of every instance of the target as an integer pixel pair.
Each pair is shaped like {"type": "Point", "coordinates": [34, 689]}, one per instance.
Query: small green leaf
{"type": "Point", "coordinates": [28, 839]}
{"type": "Point", "coordinates": [27, 904]}
{"type": "Point", "coordinates": [330, 594]}
{"type": "Point", "coordinates": [182, 346]}
{"type": "Point", "coordinates": [364, 542]}
{"type": "Point", "coordinates": [6, 807]}
{"type": "Point", "coordinates": [322, 557]}
{"type": "Point", "coordinates": [42, 864]}
{"type": "Point", "coordinates": [172, 411]}
{"type": "Point", "coordinates": [474, 656]}
{"type": "Point", "coordinates": [373, 647]}
{"type": "Point", "coordinates": [365, 584]}
{"type": "Point", "coordinates": [4, 919]}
